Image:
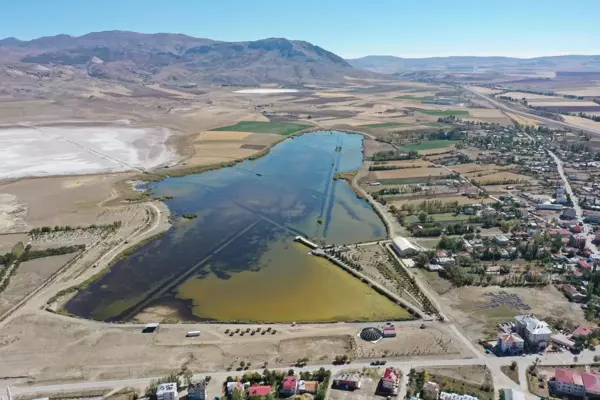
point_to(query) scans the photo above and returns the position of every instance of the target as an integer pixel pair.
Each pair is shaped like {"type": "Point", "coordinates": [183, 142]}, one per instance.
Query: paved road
{"type": "Point", "coordinates": [587, 229]}
{"type": "Point", "coordinates": [492, 362]}
{"type": "Point", "coordinates": [504, 107]}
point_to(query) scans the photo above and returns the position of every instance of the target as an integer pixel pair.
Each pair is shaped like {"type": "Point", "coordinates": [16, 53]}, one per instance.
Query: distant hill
{"type": "Point", "coordinates": [391, 64]}
{"type": "Point", "coordinates": [176, 58]}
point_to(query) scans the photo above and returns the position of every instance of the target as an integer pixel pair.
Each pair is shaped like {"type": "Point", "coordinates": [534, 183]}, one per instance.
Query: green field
{"type": "Point", "coordinates": [429, 145]}
{"type": "Point", "coordinates": [385, 125]}
{"type": "Point", "coordinates": [416, 98]}
{"type": "Point", "coordinates": [279, 128]}
{"type": "Point", "coordinates": [402, 181]}
{"type": "Point", "coordinates": [444, 113]}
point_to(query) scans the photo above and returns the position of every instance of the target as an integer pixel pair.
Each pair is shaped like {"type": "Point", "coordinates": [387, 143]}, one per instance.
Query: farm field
{"type": "Point", "coordinates": [591, 91]}
{"type": "Point", "coordinates": [444, 113]}
{"type": "Point", "coordinates": [443, 199]}
{"type": "Point", "coordinates": [385, 125]}
{"type": "Point", "coordinates": [278, 128]}
{"type": "Point", "coordinates": [408, 173]}
{"type": "Point", "coordinates": [471, 168]}
{"type": "Point", "coordinates": [215, 147]}
{"type": "Point", "coordinates": [406, 163]}
{"type": "Point", "coordinates": [530, 96]}
{"type": "Point", "coordinates": [430, 145]}
{"type": "Point", "coordinates": [500, 176]}
{"type": "Point", "coordinates": [583, 122]}
{"type": "Point", "coordinates": [28, 277]}
{"type": "Point", "coordinates": [415, 98]}
{"type": "Point", "coordinates": [522, 120]}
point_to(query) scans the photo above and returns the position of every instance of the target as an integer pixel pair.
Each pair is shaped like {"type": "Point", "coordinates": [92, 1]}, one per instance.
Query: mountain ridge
{"type": "Point", "coordinates": [173, 57]}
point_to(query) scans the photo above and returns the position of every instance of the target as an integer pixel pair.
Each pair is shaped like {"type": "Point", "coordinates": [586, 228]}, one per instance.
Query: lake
{"type": "Point", "coordinates": [237, 260]}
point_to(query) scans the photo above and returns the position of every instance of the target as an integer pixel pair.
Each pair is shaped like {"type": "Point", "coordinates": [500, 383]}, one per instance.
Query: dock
{"type": "Point", "coordinates": [305, 241]}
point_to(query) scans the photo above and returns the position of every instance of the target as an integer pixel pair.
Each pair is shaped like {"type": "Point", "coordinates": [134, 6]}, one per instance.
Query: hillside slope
{"type": "Point", "coordinates": [181, 59]}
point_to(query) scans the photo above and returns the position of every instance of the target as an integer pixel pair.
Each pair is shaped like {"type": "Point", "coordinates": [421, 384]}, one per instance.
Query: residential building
{"type": "Point", "coordinates": [510, 343]}
{"type": "Point", "coordinates": [403, 247]}
{"type": "Point", "coordinates": [431, 390]}
{"type": "Point", "coordinates": [568, 382]}
{"type": "Point", "coordinates": [572, 293]}
{"type": "Point", "coordinates": [310, 387]}
{"type": "Point", "coordinates": [454, 396]}
{"type": "Point", "coordinates": [501, 240]}
{"type": "Point", "coordinates": [576, 229]}
{"type": "Point", "coordinates": [167, 391]}
{"type": "Point", "coordinates": [197, 390]}
{"type": "Point", "coordinates": [592, 217]}
{"type": "Point", "coordinates": [389, 330]}
{"type": "Point", "coordinates": [549, 206]}
{"type": "Point", "coordinates": [597, 237]}
{"type": "Point", "coordinates": [577, 241]}
{"type": "Point", "coordinates": [582, 331]}
{"type": "Point", "coordinates": [289, 386]}
{"type": "Point", "coordinates": [233, 386]}
{"type": "Point", "coordinates": [591, 382]}
{"type": "Point", "coordinates": [512, 394]}
{"type": "Point", "coordinates": [561, 340]}
{"type": "Point", "coordinates": [390, 380]}
{"type": "Point", "coordinates": [259, 391]}
{"type": "Point", "coordinates": [569, 213]}
{"type": "Point", "coordinates": [347, 380]}
{"type": "Point", "coordinates": [535, 332]}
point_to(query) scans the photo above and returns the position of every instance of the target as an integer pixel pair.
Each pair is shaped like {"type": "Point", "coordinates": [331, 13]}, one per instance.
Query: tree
{"type": "Point", "coordinates": [513, 365]}
{"type": "Point", "coordinates": [421, 260]}
{"type": "Point", "coordinates": [422, 217]}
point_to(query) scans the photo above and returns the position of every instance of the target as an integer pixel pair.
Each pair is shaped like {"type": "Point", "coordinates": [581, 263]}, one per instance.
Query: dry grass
{"type": "Point", "coordinates": [563, 103]}
{"type": "Point", "coordinates": [408, 163]}
{"type": "Point", "coordinates": [530, 96]}
{"type": "Point", "coordinates": [522, 120]}
{"type": "Point", "coordinates": [222, 136]}
{"type": "Point", "coordinates": [465, 305]}
{"type": "Point", "coordinates": [443, 199]}
{"type": "Point", "coordinates": [500, 176]}
{"type": "Point", "coordinates": [409, 173]}
{"type": "Point", "coordinates": [472, 167]}
{"type": "Point", "coordinates": [591, 91]}
{"type": "Point", "coordinates": [582, 122]}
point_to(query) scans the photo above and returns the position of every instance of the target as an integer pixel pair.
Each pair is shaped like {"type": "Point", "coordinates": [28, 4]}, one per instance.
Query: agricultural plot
{"type": "Point", "coordinates": [407, 163]}
{"type": "Point", "coordinates": [444, 199]}
{"type": "Point", "coordinates": [278, 128]}
{"type": "Point", "coordinates": [385, 125]}
{"type": "Point", "coordinates": [415, 98]}
{"type": "Point", "coordinates": [407, 174]}
{"type": "Point", "coordinates": [444, 113]}
{"type": "Point", "coordinates": [501, 177]}
{"type": "Point", "coordinates": [472, 168]}
{"type": "Point", "coordinates": [430, 145]}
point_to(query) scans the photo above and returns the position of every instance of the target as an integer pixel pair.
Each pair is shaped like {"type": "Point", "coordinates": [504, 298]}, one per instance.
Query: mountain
{"type": "Point", "coordinates": [177, 58]}
{"type": "Point", "coordinates": [391, 64]}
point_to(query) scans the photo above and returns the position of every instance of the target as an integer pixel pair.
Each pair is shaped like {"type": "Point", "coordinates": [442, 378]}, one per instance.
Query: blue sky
{"type": "Point", "coordinates": [350, 28]}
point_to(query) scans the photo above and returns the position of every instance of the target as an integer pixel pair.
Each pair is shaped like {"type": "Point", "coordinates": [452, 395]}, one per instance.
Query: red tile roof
{"type": "Point", "coordinates": [582, 331]}
{"type": "Point", "coordinates": [568, 376]}
{"type": "Point", "coordinates": [390, 375]}
{"type": "Point", "coordinates": [591, 382]}
{"type": "Point", "coordinates": [259, 390]}
{"type": "Point", "coordinates": [289, 382]}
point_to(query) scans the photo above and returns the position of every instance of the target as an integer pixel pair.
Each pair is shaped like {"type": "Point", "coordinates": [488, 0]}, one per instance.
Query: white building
{"type": "Point", "coordinates": [501, 240]}
{"type": "Point", "coordinates": [511, 343]}
{"type": "Point", "coordinates": [512, 394]}
{"type": "Point", "coordinates": [403, 247]}
{"type": "Point", "coordinates": [167, 391]}
{"type": "Point", "coordinates": [536, 332]}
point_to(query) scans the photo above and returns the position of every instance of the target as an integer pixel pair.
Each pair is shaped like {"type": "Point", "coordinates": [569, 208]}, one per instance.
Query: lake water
{"type": "Point", "coordinates": [237, 260]}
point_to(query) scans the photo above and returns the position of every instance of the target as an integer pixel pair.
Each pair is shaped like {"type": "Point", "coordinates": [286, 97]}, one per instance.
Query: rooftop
{"type": "Point", "coordinates": [390, 375]}
{"type": "Point", "coordinates": [568, 376]}
{"type": "Point", "coordinates": [259, 390]}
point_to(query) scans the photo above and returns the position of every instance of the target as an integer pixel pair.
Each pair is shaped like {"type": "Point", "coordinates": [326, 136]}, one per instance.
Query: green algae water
{"type": "Point", "coordinates": [237, 260]}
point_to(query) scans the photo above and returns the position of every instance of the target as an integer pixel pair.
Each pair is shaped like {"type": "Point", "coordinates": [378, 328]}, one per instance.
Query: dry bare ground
{"type": "Point", "coordinates": [467, 306]}
{"type": "Point", "coordinates": [50, 347]}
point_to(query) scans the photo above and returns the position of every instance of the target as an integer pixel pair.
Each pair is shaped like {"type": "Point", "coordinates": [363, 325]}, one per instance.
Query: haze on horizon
{"type": "Point", "coordinates": [351, 28]}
